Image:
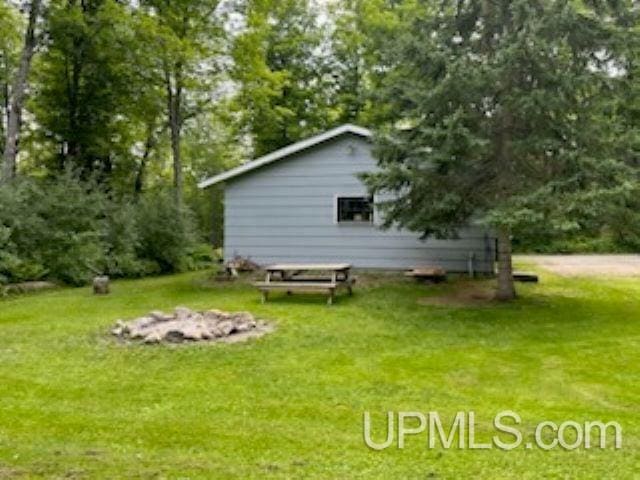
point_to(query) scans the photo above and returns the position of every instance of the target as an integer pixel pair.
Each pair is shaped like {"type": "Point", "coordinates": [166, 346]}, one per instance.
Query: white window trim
{"type": "Point", "coordinates": [363, 223]}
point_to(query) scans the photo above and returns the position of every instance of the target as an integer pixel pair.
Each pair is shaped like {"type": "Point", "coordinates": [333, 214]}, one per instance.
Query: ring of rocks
{"type": "Point", "coordinates": [185, 325]}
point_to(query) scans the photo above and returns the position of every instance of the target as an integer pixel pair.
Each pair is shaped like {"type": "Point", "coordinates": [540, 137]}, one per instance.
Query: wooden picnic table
{"type": "Point", "coordinates": [307, 277]}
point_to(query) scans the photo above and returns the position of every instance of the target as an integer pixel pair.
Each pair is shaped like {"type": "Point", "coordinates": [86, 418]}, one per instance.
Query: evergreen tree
{"type": "Point", "coordinates": [501, 116]}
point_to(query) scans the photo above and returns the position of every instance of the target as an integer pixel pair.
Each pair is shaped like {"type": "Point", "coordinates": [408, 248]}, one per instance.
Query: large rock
{"type": "Point", "coordinates": [153, 337]}
{"type": "Point", "coordinates": [182, 313]}
{"type": "Point", "coordinates": [160, 316]}
{"type": "Point", "coordinates": [226, 328]}
{"type": "Point", "coordinates": [142, 323]}
{"type": "Point", "coordinates": [186, 325]}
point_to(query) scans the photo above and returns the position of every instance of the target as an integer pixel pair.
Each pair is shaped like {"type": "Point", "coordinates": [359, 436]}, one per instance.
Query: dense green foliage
{"type": "Point", "coordinates": [69, 230]}
{"type": "Point", "coordinates": [505, 114]}
{"type": "Point", "coordinates": [84, 98]}
{"type": "Point", "coordinates": [144, 97]}
{"type": "Point", "coordinates": [519, 114]}
{"type": "Point", "coordinates": [283, 87]}
{"type": "Point", "coordinates": [10, 24]}
{"type": "Point", "coordinates": [290, 405]}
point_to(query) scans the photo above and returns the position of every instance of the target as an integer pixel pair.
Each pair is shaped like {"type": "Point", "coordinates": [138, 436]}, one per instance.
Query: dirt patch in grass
{"type": "Point", "coordinates": [7, 473]}
{"type": "Point", "coordinates": [373, 279]}
{"type": "Point", "coordinates": [463, 294]}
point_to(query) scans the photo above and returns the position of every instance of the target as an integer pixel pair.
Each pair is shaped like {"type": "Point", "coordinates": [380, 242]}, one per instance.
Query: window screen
{"type": "Point", "coordinates": [355, 209]}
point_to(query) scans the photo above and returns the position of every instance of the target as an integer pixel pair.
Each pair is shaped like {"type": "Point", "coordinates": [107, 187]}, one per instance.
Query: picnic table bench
{"type": "Point", "coordinates": [307, 277]}
{"type": "Point", "coordinates": [427, 273]}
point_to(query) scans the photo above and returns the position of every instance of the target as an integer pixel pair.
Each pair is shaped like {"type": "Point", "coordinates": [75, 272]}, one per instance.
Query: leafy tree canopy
{"type": "Point", "coordinates": [502, 114]}
{"type": "Point", "coordinates": [279, 70]}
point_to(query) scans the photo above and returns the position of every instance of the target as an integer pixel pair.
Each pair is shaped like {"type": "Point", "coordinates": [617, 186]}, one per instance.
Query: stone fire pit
{"type": "Point", "coordinates": [185, 325]}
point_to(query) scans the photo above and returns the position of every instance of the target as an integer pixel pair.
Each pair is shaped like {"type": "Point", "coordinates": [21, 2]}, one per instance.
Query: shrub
{"type": "Point", "coordinates": [70, 230]}
{"type": "Point", "coordinates": [12, 267]}
{"type": "Point", "coordinates": [202, 255]}
{"type": "Point", "coordinates": [166, 233]}
{"type": "Point", "coordinates": [122, 240]}
{"type": "Point", "coordinates": [54, 229]}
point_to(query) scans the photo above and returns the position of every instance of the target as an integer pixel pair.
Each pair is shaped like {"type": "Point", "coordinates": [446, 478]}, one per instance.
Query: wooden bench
{"type": "Point", "coordinates": [434, 274]}
{"type": "Point", "coordinates": [303, 287]}
{"type": "Point", "coordinates": [525, 277]}
{"type": "Point", "coordinates": [292, 278]}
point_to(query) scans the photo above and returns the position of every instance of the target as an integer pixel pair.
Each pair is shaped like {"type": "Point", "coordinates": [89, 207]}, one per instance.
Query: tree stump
{"type": "Point", "coordinates": [101, 285]}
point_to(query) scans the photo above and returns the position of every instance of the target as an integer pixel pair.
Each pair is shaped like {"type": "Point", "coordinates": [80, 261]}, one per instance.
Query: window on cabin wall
{"type": "Point", "coordinates": [352, 209]}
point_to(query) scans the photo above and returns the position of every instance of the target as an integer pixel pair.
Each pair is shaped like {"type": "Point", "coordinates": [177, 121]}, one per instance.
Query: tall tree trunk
{"type": "Point", "coordinates": [174, 104]}
{"type": "Point", "coordinates": [5, 102]}
{"type": "Point", "coordinates": [140, 174]}
{"type": "Point", "coordinates": [149, 145]}
{"type": "Point", "coordinates": [4, 110]}
{"type": "Point", "coordinates": [17, 95]}
{"type": "Point", "coordinates": [72, 152]}
{"type": "Point", "coordinates": [506, 288]}
{"type": "Point", "coordinates": [177, 159]}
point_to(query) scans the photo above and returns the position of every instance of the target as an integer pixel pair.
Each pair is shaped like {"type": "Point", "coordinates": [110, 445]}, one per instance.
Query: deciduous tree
{"type": "Point", "coordinates": [281, 73]}
{"type": "Point", "coordinates": [16, 94]}
{"type": "Point", "coordinates": [88, 89]}
{"type": "Point", "coordinates": [188, 42]}
{"type": "Point", "coordinates": [10, 28]}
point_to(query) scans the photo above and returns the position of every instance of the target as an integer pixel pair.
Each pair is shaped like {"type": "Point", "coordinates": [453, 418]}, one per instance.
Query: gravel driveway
{"type": "Point", "coordinates": [597, 265]}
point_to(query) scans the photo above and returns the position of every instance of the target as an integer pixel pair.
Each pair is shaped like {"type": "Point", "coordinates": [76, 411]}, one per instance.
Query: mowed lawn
{"type": "Point", "coordinates": [76, 404]}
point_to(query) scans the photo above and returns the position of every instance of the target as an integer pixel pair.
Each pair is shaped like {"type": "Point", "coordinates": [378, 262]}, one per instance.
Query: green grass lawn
{"type": "Point", "coordinates": [76, 404]}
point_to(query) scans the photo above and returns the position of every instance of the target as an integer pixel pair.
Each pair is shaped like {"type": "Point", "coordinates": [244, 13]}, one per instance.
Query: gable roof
{"type": "Point", "coordinates": [286, 152]}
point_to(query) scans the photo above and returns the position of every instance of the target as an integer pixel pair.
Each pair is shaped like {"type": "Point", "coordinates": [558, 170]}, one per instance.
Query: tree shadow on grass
{"type": "Point", "coordinates": [317, 299]}
{"type": "Point", "coordinates": [553, 313]}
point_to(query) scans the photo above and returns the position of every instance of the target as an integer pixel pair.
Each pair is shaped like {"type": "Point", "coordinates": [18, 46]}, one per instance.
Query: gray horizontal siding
{"type": "Point", "coordinates": [295, 182]}
{"type": "Point", "coordinates": [278, 199]}
{"type": "Point", "coordinates": [314, 190]}
{"type": "Point", "coordinates": [361, 241]}
{"type": "Point", "coordinates": [455, 265]}
{"type": "Point", "coordinates": [285, 212]}
{"type": "Point", "coordinates": [323, 169]}
{"type": "Point", "coordinates": [320, 231]}
{"type": "Point", "coordinates": [358, 252]}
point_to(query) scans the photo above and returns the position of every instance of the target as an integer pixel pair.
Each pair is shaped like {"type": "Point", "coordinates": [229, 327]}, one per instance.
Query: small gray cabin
{"type": "Point", "coordinates": [305, 203]}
